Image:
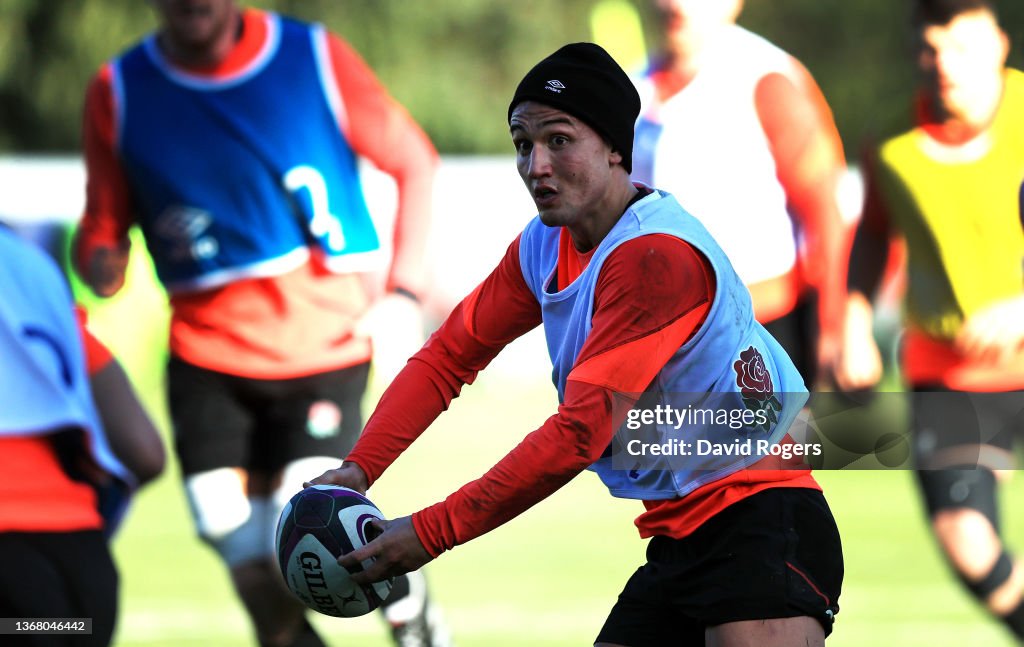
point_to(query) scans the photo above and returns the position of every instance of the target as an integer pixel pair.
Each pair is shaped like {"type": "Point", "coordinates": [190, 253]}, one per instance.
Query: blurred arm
{"type": "Point", "coordinates": [638, 324]}
{"type": "Point", "coordinates": [382, 131]}
{"type": "Point", "coordinates": [132, 436]}
{"type": "Point", "coordinates": [809, 161]}
{"type": "Point", "coordinates": [859, 364]}
{"type": "Point", "coordinates": [127, 426]}
{"type": "Point", "coordinates": [101, 246]}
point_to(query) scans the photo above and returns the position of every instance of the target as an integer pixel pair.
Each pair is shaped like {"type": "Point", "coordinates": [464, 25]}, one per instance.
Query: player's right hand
{"type": "Point", "coordinates": [397, 550]}
{"type": "Point", "coordinates": [348, 475]}
{"type": "Point", "coordinates": [106, 269]}
{"type": "Point", "coordinates": [859, 363]}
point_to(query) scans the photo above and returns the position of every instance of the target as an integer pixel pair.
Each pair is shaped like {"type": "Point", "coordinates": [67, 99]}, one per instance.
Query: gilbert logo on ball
{"type": "Point", "coordinates": [319, 525]}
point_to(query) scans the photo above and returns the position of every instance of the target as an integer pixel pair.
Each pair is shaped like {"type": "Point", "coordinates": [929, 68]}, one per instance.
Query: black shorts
{"type": "Point", "coordinates": [959, 439]}
{"type": "Point", "coordinates": [223, 420]}
{"type": "Point", "coordinates": [775, 554]}
{"type": "Point", "coordinates": [797, 333]}
{"type": "Point", "coordinates": [58, 575]}
{"type": "Point", "coordinates": [965, 430]}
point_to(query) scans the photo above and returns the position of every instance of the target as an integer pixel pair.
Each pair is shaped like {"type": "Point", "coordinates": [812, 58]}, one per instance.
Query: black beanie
{"type": "Point", "coordinates": [585, 81]}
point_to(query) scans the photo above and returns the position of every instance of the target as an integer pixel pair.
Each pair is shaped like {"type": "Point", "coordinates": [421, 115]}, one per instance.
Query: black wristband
{"type": "Point", "coordinates": [409, 294]}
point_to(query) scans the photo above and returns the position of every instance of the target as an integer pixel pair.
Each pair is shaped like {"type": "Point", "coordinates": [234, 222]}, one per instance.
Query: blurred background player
{"type": "Point", "coordinates": [947, 187]}
{"type": "Point", "coordinates": [740, 133]}
{"type": "Point", "coordinates": [635, 298]}
{"type": "Point", "coordinates": [231, 137]}
{"type": "Point", "coordinates": [74, 443]}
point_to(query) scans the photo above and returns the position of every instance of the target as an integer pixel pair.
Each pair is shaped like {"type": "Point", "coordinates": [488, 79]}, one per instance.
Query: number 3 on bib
{"type": "Point", "coordinates": [322, 224]}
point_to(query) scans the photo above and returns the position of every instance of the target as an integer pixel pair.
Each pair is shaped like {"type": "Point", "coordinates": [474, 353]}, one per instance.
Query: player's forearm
{"type": "Point", "coordinates": [412, 223]}
{"type": "Point", "coordinates": [132, 435]}
{"type": "Point", "coordinates": [826, 247]}
{"type": "Point", "coordinates": [417, 395]}
{"type": "Point", "coordinates": [872, 240]}
{"type": "Point", "coordinates": [809, 162]}
{"type": "Point", "coordinates": [833, 244]}
{"type": "Point", "coordinates": [543, 462]}
{"type": "Point", "coordinates": [100, 248]}
{"type": "Point", "coordinates": [460, 518]}
{"type": "Point", "coordinates": [867, 261]}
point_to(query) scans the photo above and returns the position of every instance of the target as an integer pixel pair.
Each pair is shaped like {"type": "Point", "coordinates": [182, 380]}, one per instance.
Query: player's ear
{"type": "Point", "coordinates": [614, 157]}
{"type": "Point", "coordinates": [1004, 44]}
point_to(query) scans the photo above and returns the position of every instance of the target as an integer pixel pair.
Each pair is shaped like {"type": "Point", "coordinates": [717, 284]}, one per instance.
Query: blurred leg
{"type": "Point", "coordinates": [278, 616]}
{"type": "Point", "coordinates": [964, 516]}
{"type": "Point", "coordinates": [413, 617]}
{"type": "Point", "coordinates": [976, 552]}
{"type": "Point", "coordinates": [58, 575]}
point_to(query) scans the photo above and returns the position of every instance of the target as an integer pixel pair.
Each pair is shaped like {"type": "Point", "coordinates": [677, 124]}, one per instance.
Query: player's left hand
{"type": "Point", "coordinates": [396, 551]}
{"type": "Point", "coordinates": [105, 270]}
{"type": "Point", "coordinates": [858, 363]}
{"type": "Point", "coordinates": [994, 334]}
{"type": "Point", "coordinates": [349, 475]}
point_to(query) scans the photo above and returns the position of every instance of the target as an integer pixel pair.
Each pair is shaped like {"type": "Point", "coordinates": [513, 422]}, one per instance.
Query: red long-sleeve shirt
{"type": "Point", "coordinates": [653, 293]}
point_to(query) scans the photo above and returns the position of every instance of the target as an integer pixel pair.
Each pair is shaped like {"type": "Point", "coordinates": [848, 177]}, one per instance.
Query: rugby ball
{"type": "Point", "coordinates": [319, 525]}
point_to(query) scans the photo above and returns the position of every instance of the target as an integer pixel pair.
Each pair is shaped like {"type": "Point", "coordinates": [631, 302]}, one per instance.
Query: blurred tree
{"type": "Point", "coordinates": [454, 63]}
{"type": "Point", "coordinates": [48, 51]}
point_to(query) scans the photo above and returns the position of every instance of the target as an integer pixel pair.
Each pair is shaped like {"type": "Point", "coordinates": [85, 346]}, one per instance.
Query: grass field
{"type": "Point", "coordinates": [547, 578]}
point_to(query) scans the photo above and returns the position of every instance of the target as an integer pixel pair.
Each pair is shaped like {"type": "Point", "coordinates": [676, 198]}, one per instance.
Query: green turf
{"type": "Point", "coordinates": [546, 578]}
{"type": "Point", "coordinates": [549, 577]}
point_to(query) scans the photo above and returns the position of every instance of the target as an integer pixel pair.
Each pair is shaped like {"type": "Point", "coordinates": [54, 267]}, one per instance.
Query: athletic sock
{"type": "Point", "coordinates": [407, 599]}
{"type": "Point", "coordinates": [1015, 620]}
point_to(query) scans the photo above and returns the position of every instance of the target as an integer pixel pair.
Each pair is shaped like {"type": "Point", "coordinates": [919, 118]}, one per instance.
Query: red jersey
{"type": "Point", "coordinates": [36, 495]}
{"type": "Point", "coordinates": [632, 336]}
{"type": "Point", "coordinates": [300, 322]}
